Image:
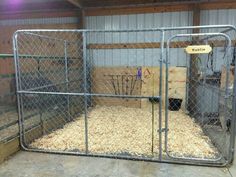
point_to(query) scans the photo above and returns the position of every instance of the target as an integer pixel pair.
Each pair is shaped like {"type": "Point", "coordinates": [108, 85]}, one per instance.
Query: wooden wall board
{"type": "Point", "coordinates": [7, 149]}
{"type": "Point", "coordinates": [115, 80]}
{"type": "Point", "coordinates": [223, 78]}
{"type": "Point", "coordinates": [176, 83]}
{"type": "Point", "coordinates": [171, 7]}
{"type": "Point", "coordinates": [149, 85]}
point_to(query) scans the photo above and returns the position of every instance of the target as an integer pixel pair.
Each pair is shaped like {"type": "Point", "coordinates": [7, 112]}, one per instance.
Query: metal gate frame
{"type": "Point", "coordinates": [161, 158]}
{"type": "Point", "coordinates": [207, 35]}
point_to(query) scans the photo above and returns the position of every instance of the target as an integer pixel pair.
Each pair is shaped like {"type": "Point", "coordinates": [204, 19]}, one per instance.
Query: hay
{"type": "Point", "coordinates": [129, 130]}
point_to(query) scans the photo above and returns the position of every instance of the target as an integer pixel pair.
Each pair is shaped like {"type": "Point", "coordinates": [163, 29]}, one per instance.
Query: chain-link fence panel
{"type": "Point", "coordinates": [133, 94]}
{"type": "Point", "coordinates": [199, 99]}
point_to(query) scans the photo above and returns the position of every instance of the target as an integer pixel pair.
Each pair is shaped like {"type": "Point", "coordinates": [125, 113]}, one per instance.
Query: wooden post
{"type": "Point", "coordinates": [193, 70]}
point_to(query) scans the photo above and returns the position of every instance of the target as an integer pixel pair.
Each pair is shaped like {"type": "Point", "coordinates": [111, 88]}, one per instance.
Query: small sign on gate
{"type": "Point", "coordinates": [198, 49]}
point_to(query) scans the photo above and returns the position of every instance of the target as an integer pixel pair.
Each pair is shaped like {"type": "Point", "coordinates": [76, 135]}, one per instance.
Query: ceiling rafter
{"type": "Point", "coordinates": [77, 3]}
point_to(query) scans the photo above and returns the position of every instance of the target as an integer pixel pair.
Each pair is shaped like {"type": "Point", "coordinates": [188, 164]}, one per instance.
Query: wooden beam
{"type": "Point", "coordinates": [83, 20]}
{"type": "Point", "coordinates": [196, 18]}
{"type": "Point", "coordinates": [77, 3]}
{"type": "Point", "coordinates": [38, 14]}
{"type": "Point", "coordinates": [193, 69]}
{"type": "Point", "coordinates": [218, 5]}
{"type": "Point", "coordinates": [136, 10]}
{"type": "Point", "coordinates": [178, 44]}
{"type": "Point", "coordinates": [171, 7]}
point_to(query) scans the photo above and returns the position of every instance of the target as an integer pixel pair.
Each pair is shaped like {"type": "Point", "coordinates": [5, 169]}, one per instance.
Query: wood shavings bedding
{"type": "Point", "coordinates": [124, 130]}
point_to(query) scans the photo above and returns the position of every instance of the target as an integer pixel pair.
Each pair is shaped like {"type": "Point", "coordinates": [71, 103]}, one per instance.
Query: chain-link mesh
{"type": "Point", "coordinates": [206, 106]}
{"type": "Point", "coordinates": [8, 112]}
{"type": "Point", "coordinates": [125, 94]}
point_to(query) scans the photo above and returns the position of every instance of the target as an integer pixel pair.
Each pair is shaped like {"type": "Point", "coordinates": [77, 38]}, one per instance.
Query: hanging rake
{"type": "Point", "coordinates": [128, 83]}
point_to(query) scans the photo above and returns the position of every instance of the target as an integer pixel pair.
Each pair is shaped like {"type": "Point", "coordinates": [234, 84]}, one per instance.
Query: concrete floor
{"type": "Point", "coordinates": [27, 164]}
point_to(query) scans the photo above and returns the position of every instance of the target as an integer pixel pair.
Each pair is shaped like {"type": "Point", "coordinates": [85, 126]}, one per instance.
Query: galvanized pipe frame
{"type": "Point", "coordinates": [227, 38]}
{"type": "Point", "coordinates": [85, 94]}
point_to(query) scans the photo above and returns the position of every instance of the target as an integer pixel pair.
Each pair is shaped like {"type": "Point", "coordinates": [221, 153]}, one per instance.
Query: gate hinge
{"type": "Point", "coordinates": [162, 130]}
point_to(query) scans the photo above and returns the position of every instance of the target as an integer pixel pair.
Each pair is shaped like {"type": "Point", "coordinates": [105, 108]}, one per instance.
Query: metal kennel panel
{"type": "Point", "coordinates": [56, 67]}
{"type": "Point", "coordinates": [202, 97]}
{"type": "Point", "coordinates": [120, 115]}
{"type": "Point", "coordinates": [49, 68]}
{"type": "Point", "coordinates": [107, 93]}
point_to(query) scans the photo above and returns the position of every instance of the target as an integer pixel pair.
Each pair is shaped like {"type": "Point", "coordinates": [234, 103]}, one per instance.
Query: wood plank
{"type": "Point", "coordinates": [193, 72]}
{"type": "Point", "coordinates": [8, 149]}
{"type": "Point", "coordinates": [218, 5]}
{"type": "Point", "coordinates": [150, 84]}
{"type": "Point", "coordinates": [176, 83]}
{"type": "Point", "coordinates": [116, 81]}
{"type": "Point", "coordinates": [39, 14]}
{"type": "Point", "coordinates": [223, 87]}
{"type": "Point", "coordinates": [188, 6]}
{"type": "Point", "coordinates": [223, 78]}
{"type": "Point", "coordinates": [124, 46]}
{"type": "Point", "coordinates": [136, 10]}
{"type": "Point", "coordinates": [177, 44]}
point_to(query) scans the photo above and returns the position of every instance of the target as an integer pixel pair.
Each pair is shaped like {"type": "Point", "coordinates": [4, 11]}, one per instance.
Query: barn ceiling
{"type": "Point", "coordinates": [34, 5]}
{"type": "Point", "coordinates": [108, 3]}
{"type": "Point", "coordinates": [100, 3]}
{"type": "Point", "coordinates": [39, 5]}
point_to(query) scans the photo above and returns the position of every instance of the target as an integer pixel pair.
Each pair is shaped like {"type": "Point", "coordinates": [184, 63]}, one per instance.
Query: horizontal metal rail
{"type": "Point", "coordinates": [50, 85]}
{"type": "Point", "coordinates": [87, 94]}
{"type": "Point", "coordinates": [131, 30]}
{"type": "Point", "coordinates": [37, 56]}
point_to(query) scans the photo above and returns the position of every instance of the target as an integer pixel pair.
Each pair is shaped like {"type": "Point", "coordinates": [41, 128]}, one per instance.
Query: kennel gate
{"type": "Point", "coordinates": [108, 93]}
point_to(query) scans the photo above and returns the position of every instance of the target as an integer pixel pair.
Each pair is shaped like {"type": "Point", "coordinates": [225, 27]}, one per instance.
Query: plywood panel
{"type": "Point", "coordinates": [8, 149]}
{"type": "Point", "coordinates": [148, 85]}
{"type": "Point", "coordinates": [116, 81]}
{"type": "Point", "coordinates": [177, 83]}
{"type": "Point", "coordinates": [223, 78]}
{"type": "Point", "coordinates": [151, 83]}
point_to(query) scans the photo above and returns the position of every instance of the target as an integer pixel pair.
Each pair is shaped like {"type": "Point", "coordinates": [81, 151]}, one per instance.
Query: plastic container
{"type": "Point", "coordinates": [175, 104]}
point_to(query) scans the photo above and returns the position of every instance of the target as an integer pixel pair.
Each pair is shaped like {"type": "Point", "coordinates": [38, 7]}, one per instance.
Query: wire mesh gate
{"type": "Point", "coordinates": [133, 94]}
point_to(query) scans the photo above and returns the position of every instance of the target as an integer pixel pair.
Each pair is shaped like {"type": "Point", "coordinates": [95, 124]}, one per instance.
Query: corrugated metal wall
{"type": "Point", "coordinates": [134, 57]}
{"type": "Point", "coordinates": [148, 57]}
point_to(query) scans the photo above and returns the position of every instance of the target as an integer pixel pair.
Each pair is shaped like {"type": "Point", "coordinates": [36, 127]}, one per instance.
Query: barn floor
{"type": "Point", "coordinates": [125, 130]}
{"type": "Point", "coordinates": [27, 164]}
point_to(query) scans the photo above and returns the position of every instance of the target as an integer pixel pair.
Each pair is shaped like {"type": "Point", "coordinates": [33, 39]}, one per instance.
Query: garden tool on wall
{"type": "Point", "coordinates": [113, 83]}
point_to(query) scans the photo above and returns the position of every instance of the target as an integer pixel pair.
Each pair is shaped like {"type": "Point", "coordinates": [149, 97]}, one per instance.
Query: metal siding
{"type": "Point", "coordinates": [135, 57]}
{"type": "Point", "coordinates": [207, 99]}
{"type": "Point", "coordinates": [219, 17]}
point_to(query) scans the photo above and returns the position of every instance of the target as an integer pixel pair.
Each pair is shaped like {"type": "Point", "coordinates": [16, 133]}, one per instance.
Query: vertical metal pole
{"type": "Point", "coordinates": [166, 92]}
{"type": "Point", "coordinates": [232, 137]}
{"type": "Point", "coordinates": [203, 112]}
{"type": "Point", "coordinates": [18, 87]}
{"type": "Point", "coordinates": [39, 105]}
{"type": "Point", "coordinates": [85, 90]}
{"type": "Point", "coordinates": [160, 94]}
{"type": "Point", "coordinates": [227, 95]}
{"type": "Point", "coordinates": [67, 81]}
